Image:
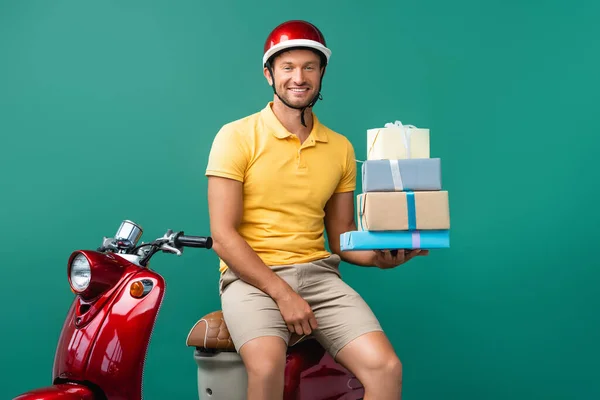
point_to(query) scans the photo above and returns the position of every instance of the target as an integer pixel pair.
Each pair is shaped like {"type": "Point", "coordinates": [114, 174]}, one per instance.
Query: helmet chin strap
{"type": "Point", "coordinates": [317, 97]}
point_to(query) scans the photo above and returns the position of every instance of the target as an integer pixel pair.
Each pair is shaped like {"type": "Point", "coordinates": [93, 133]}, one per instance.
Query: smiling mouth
{"type": "Point", "coordinates": [298, 90]}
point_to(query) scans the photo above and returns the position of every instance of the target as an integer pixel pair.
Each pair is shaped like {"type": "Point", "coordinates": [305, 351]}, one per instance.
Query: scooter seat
{"type": "Point", "coordinates": [211, 333]}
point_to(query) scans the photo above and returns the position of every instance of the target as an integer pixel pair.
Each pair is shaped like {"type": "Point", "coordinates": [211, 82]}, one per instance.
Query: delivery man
{"type": "Point", "coordinates": [277, 180]}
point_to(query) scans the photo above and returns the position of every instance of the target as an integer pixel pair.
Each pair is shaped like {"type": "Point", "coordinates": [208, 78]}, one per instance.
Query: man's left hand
{"type": "Point", "coordinates": [384, 259]}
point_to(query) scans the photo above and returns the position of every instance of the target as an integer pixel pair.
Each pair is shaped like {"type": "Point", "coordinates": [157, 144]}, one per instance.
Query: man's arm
{"type": "Point", "coordinates": [225, 211]}
{"type": "Point", "coordinates": [225, 199]}
{"type": "Point", "coordinates": [339, 218]}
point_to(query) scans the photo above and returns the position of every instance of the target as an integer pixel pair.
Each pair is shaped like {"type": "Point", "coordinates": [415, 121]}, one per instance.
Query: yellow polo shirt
{"type": "Point", "coordinates": [286, 184]}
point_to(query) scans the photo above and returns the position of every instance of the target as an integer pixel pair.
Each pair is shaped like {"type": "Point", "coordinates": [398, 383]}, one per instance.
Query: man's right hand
{"type": "Point", "coordinates": [296, 313]}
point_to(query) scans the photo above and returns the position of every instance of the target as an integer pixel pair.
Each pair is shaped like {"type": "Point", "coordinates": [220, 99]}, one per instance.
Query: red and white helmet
{"type": "Point", "coordinates": [295, 33]}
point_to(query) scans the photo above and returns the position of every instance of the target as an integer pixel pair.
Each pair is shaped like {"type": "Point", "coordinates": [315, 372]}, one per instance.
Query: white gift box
{"type": "Point", "coordinates": [396, 142]}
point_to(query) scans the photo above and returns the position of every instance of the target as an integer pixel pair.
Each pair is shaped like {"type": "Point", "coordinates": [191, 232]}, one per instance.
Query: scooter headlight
{"type": "Point", "coordinates": [81, 273]}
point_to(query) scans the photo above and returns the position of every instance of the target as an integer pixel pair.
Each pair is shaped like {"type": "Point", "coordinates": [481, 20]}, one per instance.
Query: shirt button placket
{"type": "Point", "coordinates": [300, 160]}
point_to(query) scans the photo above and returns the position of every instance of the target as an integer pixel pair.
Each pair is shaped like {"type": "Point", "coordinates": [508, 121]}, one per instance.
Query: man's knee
{"type": "Point", "coordinates": [392, 368]}
{"type": "Point", "coordinates": [382, 366]}
{"type": "Point", "coordinates": [264, 358]}
{"type": "Point", "coordinates": [372, 358]}
{"type": "Point", "coordinates": [388, 369]}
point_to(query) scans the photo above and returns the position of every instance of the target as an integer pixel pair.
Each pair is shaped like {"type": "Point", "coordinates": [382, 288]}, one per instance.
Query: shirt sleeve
{"type": "Point", "coordinates": [348, 180]}
{"type": "Point", "coordinates": [228, 155]}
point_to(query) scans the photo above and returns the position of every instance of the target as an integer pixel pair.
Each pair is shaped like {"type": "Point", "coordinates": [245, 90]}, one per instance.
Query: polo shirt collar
{"type": "Point", "coordinates": [279, 131]}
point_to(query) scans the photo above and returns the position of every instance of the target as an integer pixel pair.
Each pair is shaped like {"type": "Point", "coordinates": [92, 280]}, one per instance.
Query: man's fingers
{"type": "Point", "coordinates": [392, 255]}
{"type": "Point", "coordinates": [385, 255]}
{"type": "Point", "coordinates": [306, 328]}
{"type": "Point", "coordinates": [416, 252]}
{"type": "Point", "coordinates": [399, 257]}
{"type": "Point", "coordinates": [392, 258]}
{"type": "Point", "coordinates": [389, 257]}
{"type": "Point", "coordinates": [412, 254]}
{"type": "Point", "coordinates": [381, 254]}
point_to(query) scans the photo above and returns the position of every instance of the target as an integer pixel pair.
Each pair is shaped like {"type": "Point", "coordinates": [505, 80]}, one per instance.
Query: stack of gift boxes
{"type": "Point", "coordinates": [402, 205]}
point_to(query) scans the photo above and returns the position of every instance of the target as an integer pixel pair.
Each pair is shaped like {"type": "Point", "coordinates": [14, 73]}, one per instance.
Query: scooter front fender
{"type": "Point", "coordinates": [64, 391]}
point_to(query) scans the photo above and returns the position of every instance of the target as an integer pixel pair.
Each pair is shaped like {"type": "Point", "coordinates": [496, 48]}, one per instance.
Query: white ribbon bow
{"type": "Point", "coordinates": [407, 131]}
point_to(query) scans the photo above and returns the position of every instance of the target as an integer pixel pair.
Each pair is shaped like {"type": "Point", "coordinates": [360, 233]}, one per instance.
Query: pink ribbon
{"type": "Point", "coordinates": [416, 240]}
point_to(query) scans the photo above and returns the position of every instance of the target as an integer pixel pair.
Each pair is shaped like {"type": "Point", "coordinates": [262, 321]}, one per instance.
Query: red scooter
{"type": "Point", "coordinates": [102, 347]}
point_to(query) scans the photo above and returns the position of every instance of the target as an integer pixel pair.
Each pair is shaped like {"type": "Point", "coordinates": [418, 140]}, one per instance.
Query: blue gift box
{"type": "Point", "coordinates": [390, 240]}
{"type": "Point", "coordinates": [401, 175]}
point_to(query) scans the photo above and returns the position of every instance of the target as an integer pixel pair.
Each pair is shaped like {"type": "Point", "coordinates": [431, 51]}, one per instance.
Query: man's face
{"type": "Point", "coordinates": [297, 76]}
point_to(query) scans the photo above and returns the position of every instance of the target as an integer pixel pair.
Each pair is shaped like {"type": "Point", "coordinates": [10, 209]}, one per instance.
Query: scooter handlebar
{"type": "Point", "coordinates": [182, 240]}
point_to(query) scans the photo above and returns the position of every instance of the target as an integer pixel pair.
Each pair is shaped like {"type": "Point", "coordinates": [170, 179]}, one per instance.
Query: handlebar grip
{"type": "Point", "coordinates": [193, 241]}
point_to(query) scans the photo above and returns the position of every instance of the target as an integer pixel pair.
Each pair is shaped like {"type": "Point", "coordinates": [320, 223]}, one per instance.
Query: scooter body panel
{"type": "Point", "coordinates": [328, 381]}
{"type": "Point", "coordinates": [310, 374]}
{"type": "Point", "coordinates": [109, 349]}
{"type": "Point", "coordinates": [85, 317]}
{"type": "Point", "coordinates": [117, 359]}
{"type": "Point", "coordinates": [66, 391]}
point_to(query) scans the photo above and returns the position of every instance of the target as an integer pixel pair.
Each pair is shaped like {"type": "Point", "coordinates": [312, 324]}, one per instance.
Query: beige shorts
{"type": "Point", "coordinates": [342, 314]}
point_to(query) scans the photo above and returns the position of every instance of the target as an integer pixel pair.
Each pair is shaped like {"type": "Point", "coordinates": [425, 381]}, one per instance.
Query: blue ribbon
{"type": "Point", "coordinates": [412, 213]}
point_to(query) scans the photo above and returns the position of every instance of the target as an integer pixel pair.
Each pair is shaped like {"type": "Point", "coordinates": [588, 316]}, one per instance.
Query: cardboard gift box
{"type": "Point", "coordinates": [397, 211]}
{"type": "Point", "coordinates": [390, 240]}
{"type": "Point", "coordinates": [402, 175]}
{"type": "Point", "coordinates": [397, 141]}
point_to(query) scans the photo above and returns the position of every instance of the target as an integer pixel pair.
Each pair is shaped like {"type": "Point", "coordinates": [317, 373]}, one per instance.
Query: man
{"type": "Point", "coordinates": [277, 180]}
